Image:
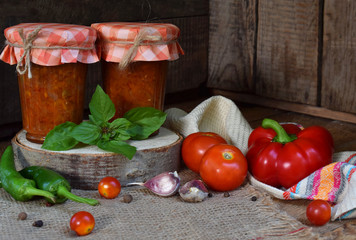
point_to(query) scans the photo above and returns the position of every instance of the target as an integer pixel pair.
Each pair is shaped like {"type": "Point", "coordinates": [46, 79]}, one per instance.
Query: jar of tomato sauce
{"type": "Point", "coordinates": [135, 60]}
{"type": "Point", "coordinates": [51, 66]}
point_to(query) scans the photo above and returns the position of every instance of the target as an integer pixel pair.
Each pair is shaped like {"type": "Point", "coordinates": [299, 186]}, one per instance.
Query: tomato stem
{"type": "Point", "coordinates": [282, 136]}
{"type": "Point", "coordinates": [227, 155]}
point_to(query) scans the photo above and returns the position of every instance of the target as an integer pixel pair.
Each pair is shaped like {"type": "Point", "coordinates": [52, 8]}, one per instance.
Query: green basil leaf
{"type": "Point", "coordinates": [148, 118]}
{"type": "Point", "coordinates": [117, 147]}
{"type": "Point", "coordinates": [96, 122]}
{"type": "Point", "coordinates": [87, 132]}
{"type": "Point", "coordinates": [121, 123]}
{"type": "Point", "coordinates": [123, 129]}
{"type": "Point", "coordinates": [59, 139]}
{"type": "Point", "coordinates": [106, 136]}
{"type": "Point", "coordinates": [120, 135]}
{"type": "Point", "coordinates": [134, 131]}
{"type": "Point", "coordinates": [101, 106]}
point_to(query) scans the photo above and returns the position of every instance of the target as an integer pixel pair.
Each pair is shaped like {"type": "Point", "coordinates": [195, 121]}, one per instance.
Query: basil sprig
{"type": "Point", "coordinates": [137, 124]}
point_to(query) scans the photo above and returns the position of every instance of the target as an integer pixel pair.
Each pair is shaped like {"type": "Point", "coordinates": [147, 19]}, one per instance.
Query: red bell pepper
{"type": "Point", "coordinates": [281, 159]}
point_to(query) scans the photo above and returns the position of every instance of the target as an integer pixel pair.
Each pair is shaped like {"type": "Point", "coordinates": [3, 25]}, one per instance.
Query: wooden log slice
{"type": "Point", "coordinates": [85, 166]}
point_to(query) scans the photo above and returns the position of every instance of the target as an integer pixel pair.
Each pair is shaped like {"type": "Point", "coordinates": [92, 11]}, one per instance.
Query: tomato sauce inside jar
{"type": "Point", "coordinates": [54, 95]}
{"type": "Point", "coordinates": [140, 84]}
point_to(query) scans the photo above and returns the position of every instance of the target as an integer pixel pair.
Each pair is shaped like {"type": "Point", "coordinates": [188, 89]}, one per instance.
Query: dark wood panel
{"type": "Point", "coordinates": [339, 56]}
{"type": "Point", "coordinates": [90, 11]}
{"type": "Point", "coordinates": [287, 50]}
{"type": "Point", "coordinates": [10, 110]}
{"type": "Point", "coordinates": [232, 44]}
{"type": "Point", "coordinates": [191, 69]}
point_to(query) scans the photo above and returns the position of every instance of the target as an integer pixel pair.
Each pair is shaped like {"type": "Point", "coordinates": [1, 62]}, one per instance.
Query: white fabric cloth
{"type": "Point", "coordinates": [216, 114]}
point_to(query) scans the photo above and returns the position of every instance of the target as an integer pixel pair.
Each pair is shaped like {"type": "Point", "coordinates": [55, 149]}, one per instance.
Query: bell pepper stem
{"type": "Point", "coordinates": [282, 136]}
{"type": "Point", "coordinates": [63, 192]}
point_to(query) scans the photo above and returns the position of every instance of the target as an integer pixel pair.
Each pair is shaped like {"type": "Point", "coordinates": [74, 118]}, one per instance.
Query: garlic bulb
{"type": "Point", "coordinates": [165, 184]}
{"type": "Point", "coordinates": [193, 191]}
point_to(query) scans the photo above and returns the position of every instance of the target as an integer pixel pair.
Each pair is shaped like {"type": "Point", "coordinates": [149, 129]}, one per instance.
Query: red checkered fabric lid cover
{"type": "Point", "coordinates": [158, 41]}
{"type": "Point", "coordinates": [54, 44]}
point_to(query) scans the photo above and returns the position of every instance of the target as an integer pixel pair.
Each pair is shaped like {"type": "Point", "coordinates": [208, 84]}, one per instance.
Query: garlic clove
{"type": "Point", "coordinates": [193, 191]}
{"type": "Point", "coordinates": [165, 184]}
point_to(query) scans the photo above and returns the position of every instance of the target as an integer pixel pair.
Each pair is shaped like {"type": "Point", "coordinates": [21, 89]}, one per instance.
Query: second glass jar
{"type": "Point", "coordinates": [134, 62]}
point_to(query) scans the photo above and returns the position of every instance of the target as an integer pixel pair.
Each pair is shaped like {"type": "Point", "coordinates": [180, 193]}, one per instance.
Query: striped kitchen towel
{"type": "Point", "coordinates": [335, 183]}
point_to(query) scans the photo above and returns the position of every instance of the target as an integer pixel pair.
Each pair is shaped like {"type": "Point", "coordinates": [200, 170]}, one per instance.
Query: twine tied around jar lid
{"type": "Point", "coordinates": [143, 38]}
{"type": "Point", "coordinates": [27, 46]}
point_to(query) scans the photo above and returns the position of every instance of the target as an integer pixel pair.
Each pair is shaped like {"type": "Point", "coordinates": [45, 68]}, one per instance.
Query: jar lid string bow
{"type": "Point", "coordinates": [144, 37]}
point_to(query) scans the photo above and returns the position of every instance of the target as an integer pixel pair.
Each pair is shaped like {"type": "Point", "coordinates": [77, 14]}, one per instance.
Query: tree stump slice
{"type": "Point", "coordinates": [85, 166]}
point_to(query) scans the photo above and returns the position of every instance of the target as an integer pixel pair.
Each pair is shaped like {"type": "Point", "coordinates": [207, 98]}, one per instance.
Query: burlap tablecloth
{"type": "Point", "coordinates": [152, 217]}
{"type": "Point", "coordinates": [149, 216]}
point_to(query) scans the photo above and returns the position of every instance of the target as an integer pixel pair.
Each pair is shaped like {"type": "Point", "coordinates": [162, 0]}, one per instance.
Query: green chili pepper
{"type": "Point", "coordinates": [49, 180]}
{"type": "Point", "coordinates": [20, 188]}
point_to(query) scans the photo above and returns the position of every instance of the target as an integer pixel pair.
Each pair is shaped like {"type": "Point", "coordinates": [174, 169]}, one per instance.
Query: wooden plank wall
{"type": "Point", "coordinates": [191, 16]}
{"type": "Point", "coordinates": [232, 45]}
{"type": "Point", "coordinates": [303, 50]}
{"type": "Point", "coordinates": [287, 50]}
{"type": "Point", "coordinates": [339, 56]}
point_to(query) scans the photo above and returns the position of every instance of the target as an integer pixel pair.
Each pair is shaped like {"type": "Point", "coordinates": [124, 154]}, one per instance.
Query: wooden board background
{"type": "Point", "coordinates": [287, 50]}
{"type": "Point", "coordinates": [303, 54]}
{"type": "Point", "coordinates": [232, 44]}
{"type": "Point", "coordinates": [188, 72]}
{"type": "Point", "coordinates": [339, 56]}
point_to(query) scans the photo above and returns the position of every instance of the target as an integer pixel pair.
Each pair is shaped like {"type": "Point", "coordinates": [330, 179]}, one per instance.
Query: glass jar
{"type": "Point", "coordinates": [54, 95]}
{"type": "Point", "coordinates": [146, 49]}
{"type": "Point", "coordinates": [51, 63]}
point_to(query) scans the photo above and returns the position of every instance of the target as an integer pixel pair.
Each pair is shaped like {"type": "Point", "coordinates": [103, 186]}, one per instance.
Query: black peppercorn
{"type": "Point", "coordinates": [254, 199]}
{"type": "Point", "coordinates": [38, 223]}
{"type": "Point", "coordinates": [226, 194]}
{"type": "Point", "coordinates": [210, 194]}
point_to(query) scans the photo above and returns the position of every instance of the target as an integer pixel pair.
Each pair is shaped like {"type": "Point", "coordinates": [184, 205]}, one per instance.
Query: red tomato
{"type": "Point", "coordinates": [195, 145]}
{"type": "Point", "coordinates": [319, 212]}
{"type": "Point", "coordinates": [109, 187]}
{"type": "Point", "coordinates": [223, 167]}
{"type": "Point", "coordinates": [82, 223]}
